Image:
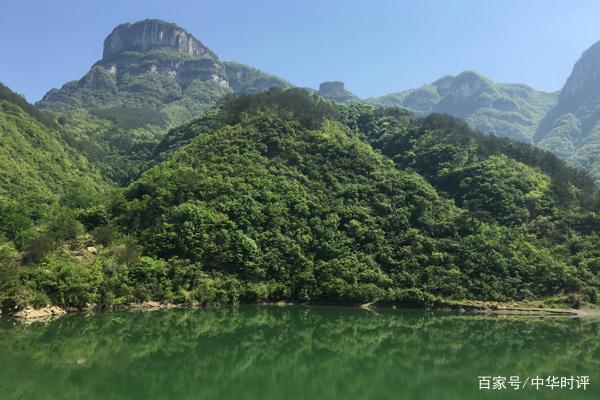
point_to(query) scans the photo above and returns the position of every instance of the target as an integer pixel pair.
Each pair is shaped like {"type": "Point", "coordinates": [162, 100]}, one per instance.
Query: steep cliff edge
{"type": "Point", "coordinates": [152, 33]}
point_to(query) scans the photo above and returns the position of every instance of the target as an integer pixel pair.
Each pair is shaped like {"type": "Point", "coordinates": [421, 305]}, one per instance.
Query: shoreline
{"type": "Point", "coordinates": [30, 315]}
{"type": "Point", "coordinates": [516, 308]}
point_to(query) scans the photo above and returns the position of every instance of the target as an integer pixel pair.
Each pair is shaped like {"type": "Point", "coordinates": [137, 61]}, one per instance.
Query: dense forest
{"type": "Point", "coordinates": [284, 196]}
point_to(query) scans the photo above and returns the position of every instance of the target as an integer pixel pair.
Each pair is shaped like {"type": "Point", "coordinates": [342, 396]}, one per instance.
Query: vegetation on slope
{"type": "Point", "coordinates": [121, 109]}
{"type": "Point", "coordinates": [279, 196]}
{"type": "Point", "coordinates": [9, 96]}
{"type": "Point", "coordinates": [43, 184]}
{"type": "Point", "coordinates": [496, 178]}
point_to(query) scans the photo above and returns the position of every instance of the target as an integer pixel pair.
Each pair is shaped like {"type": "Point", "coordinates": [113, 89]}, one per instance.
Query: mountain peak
{"type": "Point", "coordinates": [151, 33]}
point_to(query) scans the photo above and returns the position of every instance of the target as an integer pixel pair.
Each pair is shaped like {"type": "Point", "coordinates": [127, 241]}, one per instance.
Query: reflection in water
{"type": "Point", "coordinates": [255, 352]}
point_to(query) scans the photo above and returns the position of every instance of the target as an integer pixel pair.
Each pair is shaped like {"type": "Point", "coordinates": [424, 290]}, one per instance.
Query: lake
{"type": "Point", "coordinates": [297, 352]}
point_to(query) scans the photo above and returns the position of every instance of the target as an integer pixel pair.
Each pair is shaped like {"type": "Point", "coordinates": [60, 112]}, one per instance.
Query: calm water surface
{"type": "Point", "coordinates": [259, 352]}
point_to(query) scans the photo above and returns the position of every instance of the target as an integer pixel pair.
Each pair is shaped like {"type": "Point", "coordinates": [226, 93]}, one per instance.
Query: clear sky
{"type": "Point", "coordinates": [375, 47]}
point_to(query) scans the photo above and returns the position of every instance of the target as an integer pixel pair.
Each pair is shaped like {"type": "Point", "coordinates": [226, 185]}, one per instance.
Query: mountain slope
{"type": "Point", "coordinates": [495, 178]}
{"type": "Point", "coordinates": [571, 129]}
{"type": "Point", "coordinates": [286, 196]}
{"type": "Point", "coordinates": [37, 169]}
{"type": "Point", "coordinates": [507, 110]}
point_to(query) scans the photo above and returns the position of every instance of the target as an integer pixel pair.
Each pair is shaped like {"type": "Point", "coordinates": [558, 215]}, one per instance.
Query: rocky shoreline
{"type": "Point", "coordinates": [30, 314]}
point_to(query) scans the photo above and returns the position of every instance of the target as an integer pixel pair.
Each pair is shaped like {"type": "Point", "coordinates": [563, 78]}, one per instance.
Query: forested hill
{"type": "Point", "coordinates": [286, 196]}
{"type": "Point", "coordinates": [494, 178]}
{"type": "Point", "coordinates": [441, 148]}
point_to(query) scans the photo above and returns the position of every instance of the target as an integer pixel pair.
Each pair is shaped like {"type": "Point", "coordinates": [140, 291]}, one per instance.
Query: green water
{"type": "Point", "coordinates": [294, 352]}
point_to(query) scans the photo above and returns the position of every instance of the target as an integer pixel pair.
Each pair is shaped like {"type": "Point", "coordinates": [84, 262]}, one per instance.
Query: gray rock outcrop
{"type": "Point", "coordinates": [150, 33]}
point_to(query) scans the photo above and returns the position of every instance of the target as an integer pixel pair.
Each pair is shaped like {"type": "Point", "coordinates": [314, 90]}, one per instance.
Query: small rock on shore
{"type": "Point", "coordinates": [30, 313]}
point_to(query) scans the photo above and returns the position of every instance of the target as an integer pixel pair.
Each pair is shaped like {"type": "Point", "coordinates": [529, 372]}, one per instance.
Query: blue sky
{"type": "Point", "coordinates": [375, 47]}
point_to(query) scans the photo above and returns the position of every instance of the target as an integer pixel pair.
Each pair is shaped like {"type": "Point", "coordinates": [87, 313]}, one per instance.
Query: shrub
{"type": "Point", "coordinates": [69, 282]}
{"type": "Point", "coordinates": [412, 297]}
{"type": "Point", "coordinates": [39, 247]}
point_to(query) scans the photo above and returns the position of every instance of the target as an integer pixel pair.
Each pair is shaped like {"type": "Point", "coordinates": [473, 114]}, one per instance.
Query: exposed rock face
{"type": "Point", "coordinates": [444, 85]}
{"type": "Point", "coordinates": [336, 91]}
{"type": "Point", "coordinates": [468, 84]}
{"type": "Point", "coordinates": [148, 34]}
{"type": "Point", "coordinates": [584, 81]}
{"type": "Point", "coordinates": [332, 87]}
{"type": "Point", "coordinates": [579, 98]}
{"type": "Point", "coordinates": [465, 93]}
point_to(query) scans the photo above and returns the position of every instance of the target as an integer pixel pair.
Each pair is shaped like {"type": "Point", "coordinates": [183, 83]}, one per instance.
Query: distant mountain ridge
{"type": "Point", "coordinates": [508, 110]}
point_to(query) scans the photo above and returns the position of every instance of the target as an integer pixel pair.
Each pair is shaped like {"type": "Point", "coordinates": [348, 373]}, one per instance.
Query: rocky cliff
{"type": "Point", "coordinates": [149, 34]}
{"type": "Point", "coordinates": [153, 76]}
{"type": "Point", "coordinates": [336, 91]}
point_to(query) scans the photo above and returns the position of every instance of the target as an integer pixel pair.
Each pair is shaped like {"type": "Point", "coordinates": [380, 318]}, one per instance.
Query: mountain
{"type": "Point", "coordinates": [571, 128]}
{"type": "Point", "coordinates": [153, 75]}
{"type": "Point", "coordinates": [155, 65]}
{"type": "Point", "coordinates": [507, 110]}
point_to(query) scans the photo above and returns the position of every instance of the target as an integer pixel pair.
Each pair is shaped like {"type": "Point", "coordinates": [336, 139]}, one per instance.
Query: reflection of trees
{"type": "Point", "coordinates": [287, 352]}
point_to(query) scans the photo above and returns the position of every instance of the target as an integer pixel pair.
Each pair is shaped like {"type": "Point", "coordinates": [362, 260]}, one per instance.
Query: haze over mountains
{"type": "Point", "coordinates": [509, 110]}
{"type": "Point", "coordinates": [571, 129]}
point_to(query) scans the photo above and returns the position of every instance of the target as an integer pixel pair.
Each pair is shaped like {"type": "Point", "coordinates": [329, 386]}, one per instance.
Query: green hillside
{"type": "Point", "coordinates": [285, 196]}
{"type": "Point", "coordinates": [495, 178]}
{"type": "Point", "coordinates": [43, 184]}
